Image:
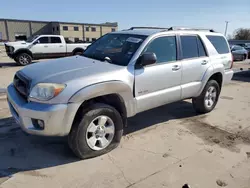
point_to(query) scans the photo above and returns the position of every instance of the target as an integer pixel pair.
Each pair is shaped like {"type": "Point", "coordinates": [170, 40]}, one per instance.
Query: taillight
{"type": "Point", "coordinates": [232, 61]}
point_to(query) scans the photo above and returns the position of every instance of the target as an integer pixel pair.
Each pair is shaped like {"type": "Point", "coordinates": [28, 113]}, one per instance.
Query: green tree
{"type": "Point", "coordinates": [242, 34]}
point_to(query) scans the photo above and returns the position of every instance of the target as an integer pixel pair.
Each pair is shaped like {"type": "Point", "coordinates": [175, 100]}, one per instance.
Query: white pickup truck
{"type": "Point", "coordinates": [42, 47]}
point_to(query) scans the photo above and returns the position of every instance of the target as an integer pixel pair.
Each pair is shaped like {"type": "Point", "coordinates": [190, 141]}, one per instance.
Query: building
{"type": "Point", "coordinates": [13, 30]}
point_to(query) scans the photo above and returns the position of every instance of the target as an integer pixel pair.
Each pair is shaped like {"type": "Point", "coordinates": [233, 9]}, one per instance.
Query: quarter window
{"type": "Point", "coordinates": [219, 43]}
{"type": "Point", "coordinates": [164, 49]}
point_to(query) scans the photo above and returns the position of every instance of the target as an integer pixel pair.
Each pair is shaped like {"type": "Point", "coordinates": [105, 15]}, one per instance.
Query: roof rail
{"type": "Point", "coordinates": [189, 29]}
{"type": "Point", "coordinates": [133, 28]}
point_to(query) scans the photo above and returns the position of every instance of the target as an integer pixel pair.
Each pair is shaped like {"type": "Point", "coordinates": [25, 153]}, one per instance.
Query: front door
{"type": "Point", "coordinates": [195, 63]}
{"type": "Point", "coordinates": [159, 83]}
{"type": "Point", "coordinates": [40, 48]}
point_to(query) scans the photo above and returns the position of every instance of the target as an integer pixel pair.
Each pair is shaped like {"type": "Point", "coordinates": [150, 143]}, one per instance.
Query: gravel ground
{"type": "Point", "coordinates": [165, 147]}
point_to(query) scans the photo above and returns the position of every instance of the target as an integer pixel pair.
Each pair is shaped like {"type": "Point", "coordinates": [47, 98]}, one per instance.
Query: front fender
{"type": "Point", "coordinates": [105, 88]}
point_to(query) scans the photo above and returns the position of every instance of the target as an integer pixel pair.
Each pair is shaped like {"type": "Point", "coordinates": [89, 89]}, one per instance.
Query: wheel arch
{"type": "Point", "coordinates": [23, 50]}
{"type": "Point", "coordinates": [78, 49]}
{"type": "Point", "coordinates": [115, 93]}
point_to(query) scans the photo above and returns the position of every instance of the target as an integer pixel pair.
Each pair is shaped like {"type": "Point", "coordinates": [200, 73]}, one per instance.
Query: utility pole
{"type": "Point", "coordinates": [226, 28]}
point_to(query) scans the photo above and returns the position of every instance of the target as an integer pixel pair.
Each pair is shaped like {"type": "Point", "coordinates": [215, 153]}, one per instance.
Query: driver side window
{"type": "Point", "coordinates": [43, 40]}
{"type": "Point", "coordinates": [164, 49]}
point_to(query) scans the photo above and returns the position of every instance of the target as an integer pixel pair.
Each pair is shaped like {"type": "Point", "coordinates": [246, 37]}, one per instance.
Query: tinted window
{"type": "Point", "coordinates": [219, 44]}
{"type": "Point", "coordinates": [93, 29]}
{"type": "Point", "coordinates": [65, 28]}
{"type": "Point", "coordinates": [201, 48]}
{"type": "Point", "coordinates": [119, 48]}
{"type": "Point", "coordinates": [189, 47]}
{"type": "Point", "coordinates": [55, 40]}
{"type": "Point", "coordinates": [164, 49]}
{"type": "Point", "coordinates": [76, 28]}
{"type": "Point", "coordinates": [237, 48]}
{"type": "Point", "coordinates": [43, 40]}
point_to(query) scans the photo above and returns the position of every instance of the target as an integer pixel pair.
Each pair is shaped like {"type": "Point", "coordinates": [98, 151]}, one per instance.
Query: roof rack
{"type": "Point", "coordinates": [133, 28]}
{"type": "Point", "coordinates": [189, 29]}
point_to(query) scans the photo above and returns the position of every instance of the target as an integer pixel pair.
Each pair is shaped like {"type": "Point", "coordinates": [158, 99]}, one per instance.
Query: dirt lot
{"type": "Point", "coordinates": [165, 147]}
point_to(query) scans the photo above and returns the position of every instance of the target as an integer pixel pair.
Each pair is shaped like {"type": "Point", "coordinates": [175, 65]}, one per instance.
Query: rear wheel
{"type": "Point", "coordinates": [78, 53]}
{"type": "Point", "coordinates": [208, 98]}
{"type": "Point", "coordinates": [23, 59]}
{"type": "Point", "coordinates": [96, 132]}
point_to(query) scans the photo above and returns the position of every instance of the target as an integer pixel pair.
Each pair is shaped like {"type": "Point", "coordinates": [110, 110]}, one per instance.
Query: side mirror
{"type": "Point", "coordinates": [148, 58]}
{"type": "Point", "coordinates": [36, 42]}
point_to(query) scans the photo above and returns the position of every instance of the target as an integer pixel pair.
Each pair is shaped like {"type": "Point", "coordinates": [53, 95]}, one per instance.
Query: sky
{"type": "Point", "coordinates": [128, 13]}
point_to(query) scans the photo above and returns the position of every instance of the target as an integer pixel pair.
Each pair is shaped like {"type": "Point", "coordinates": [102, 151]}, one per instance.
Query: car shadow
{"type": "Point", "coordinates": [243, 76]}
{"type": "Point", "coordinates": [20, 152]}
{"type": "Point", "coordinates": [8, 64]}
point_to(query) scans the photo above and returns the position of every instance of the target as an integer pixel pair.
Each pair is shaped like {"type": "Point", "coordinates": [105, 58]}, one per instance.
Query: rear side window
{"type": "Point", "coordinates": [201, 48]}
{"type": "Point", "coordinates": [189, 47]}
{"type": "Point", "coordinates": [56, 40]}
{"type": "Point", "coordinates": [219, 43]}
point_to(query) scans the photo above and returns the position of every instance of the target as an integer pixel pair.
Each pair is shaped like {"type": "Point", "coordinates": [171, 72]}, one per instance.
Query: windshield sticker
{"type": "Point", "coordinates": [134, 40]}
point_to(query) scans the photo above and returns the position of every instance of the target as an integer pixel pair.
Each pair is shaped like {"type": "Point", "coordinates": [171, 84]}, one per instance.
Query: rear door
{"type": "Point", "coordinates": [195, 62]}
{"type": "Point", "coordinates": [57, 47]}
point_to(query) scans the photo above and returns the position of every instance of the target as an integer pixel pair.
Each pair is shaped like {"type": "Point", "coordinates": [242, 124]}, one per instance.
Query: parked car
{"type": "Point", "coordinates": [42, 46]}
{"type": "Point", "coordinates": [239, 53]}
{"type": "Point", "coordinates": [90, 97]}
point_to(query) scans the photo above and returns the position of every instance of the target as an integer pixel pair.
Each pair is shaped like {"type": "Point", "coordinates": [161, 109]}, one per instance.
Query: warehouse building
{"type": "Point", "coordinates": [13, 30]}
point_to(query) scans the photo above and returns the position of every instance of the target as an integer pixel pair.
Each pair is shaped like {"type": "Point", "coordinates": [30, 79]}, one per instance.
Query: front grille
{"type": "Point", "coordinates": [21, 84]}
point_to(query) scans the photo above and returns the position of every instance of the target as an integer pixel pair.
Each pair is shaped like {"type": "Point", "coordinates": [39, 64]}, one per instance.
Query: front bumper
{"type": "Point", "coordinates": [58, 118]}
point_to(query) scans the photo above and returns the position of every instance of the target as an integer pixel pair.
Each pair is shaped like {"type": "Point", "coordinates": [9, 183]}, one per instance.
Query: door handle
{"type": "Point", "coordinates": [176, 67]}
{"type": "Point", "coordinates": [61, 46]}
{"type": "Point", "coordinates": [204, 62]}
{"type": "Point", "coordinates": [46, 46]}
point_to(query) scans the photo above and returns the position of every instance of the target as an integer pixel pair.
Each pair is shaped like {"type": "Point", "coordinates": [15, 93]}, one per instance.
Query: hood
{"type": "Point", "coordinates": [65, 70]}
{"type": "Point", "coordinates": [18, 43]}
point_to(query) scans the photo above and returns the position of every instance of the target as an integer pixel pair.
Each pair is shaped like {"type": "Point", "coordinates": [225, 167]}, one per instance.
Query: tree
{"type": "Point", "coordinates": [242, 34]}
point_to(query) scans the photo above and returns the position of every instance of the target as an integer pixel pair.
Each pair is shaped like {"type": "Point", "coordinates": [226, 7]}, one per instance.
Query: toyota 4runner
{"type": "Point", "coordinates": [89, 97]}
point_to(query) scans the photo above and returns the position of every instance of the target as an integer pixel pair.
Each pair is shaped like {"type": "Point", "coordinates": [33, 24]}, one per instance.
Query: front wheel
{"type": "Point", "coordinates": [96, 132]}
{"type": "Point", "coordinates": [208, 98]}
{"type": "Point", "coordinates": [23, 59]}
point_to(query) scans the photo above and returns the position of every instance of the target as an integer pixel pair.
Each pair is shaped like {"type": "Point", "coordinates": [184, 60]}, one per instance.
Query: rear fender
{"type": "Point", "coordinates": [213, 69]}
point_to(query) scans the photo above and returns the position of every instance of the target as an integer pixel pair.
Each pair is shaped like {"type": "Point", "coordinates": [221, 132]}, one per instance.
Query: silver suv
{"type": "Point", "coordinates": [89, 97]}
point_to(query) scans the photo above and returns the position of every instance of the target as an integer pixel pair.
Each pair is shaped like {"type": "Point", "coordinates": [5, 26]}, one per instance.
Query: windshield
{"type": "Point", "coordinates": [32, 38]}
{"type": "Point", "coordinates": [119, 48]}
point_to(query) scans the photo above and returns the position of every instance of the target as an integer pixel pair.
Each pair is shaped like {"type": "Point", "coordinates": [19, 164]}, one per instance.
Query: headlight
{"type": "Point", "coordinates": [46, 91]}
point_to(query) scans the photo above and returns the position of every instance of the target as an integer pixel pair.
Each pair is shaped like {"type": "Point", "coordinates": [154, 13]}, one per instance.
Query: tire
{"type": "Point", "coordinates": [201, 104]}
{"type": "Point", "coordinates": [78, 53]}
{"type": "Point", "coordinates": [23, 59]}
{"type": "Point", "coordinates": [80, 136]}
